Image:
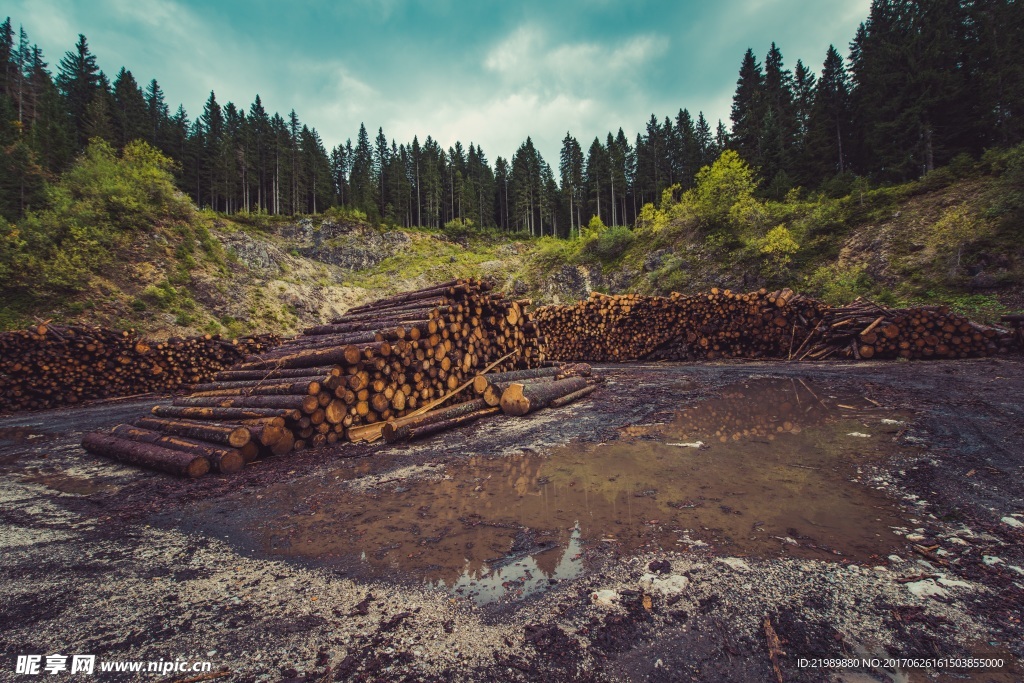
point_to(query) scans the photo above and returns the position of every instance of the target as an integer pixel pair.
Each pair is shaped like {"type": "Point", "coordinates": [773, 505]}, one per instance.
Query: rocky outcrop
{"type": "Point", "coordinates": [254, 254]}
{"type": "Point", "coordinates": [572, 283]}
{"type": "Point", "coordinates": [356, 248]}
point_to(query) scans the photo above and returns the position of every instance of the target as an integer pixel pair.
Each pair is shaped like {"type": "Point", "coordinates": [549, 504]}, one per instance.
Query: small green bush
{"type": "Point", "coordinates": [612, 243]}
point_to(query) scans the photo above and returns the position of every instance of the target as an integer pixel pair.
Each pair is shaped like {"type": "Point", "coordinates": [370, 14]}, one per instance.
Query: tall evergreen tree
{"type": "Point", "coordinates": [129, 116]}
{"type": "Point", "coordinates": [748, 109]}
{"type": "Point", "coordinates": [829, 122]}
{"type": "Point", "coordinates": [78, 80]}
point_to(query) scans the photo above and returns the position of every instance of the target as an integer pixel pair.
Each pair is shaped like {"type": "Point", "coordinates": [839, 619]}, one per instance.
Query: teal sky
{"type": "Point", "coordinates": [483, 72]}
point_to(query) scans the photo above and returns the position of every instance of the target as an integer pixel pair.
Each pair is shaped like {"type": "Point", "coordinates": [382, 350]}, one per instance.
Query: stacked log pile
{"type": "Point", "coordinates": [382, 368]}
{"type": "Point", "coordinates": [782, 324]}
{"type": "Point", "coordinates": [865, 330]}
{"type": "Point", "coordinates": [53, 365]}
{"type": "Point", "coordinates": [719, 324]}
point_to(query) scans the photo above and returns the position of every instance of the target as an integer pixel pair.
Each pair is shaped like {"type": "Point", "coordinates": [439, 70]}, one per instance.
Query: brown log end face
{"type": "Point", "coordinates": [231, 462]}
{"type": "Point", "coordinates": [514, 402]}
{"type": "Point", "coordinates": [352, 354]}
{"type": "Point", "coordinates": [199, 467]}
{"type": "Point", "coordinates": [479, 384]}
{"type": "Point", "coordinates": [239, 437]}
{"type": "Point", "coordinates": [492, 395]}
{"type": "Point", "coordinates": [249, 451]}
{"type": "Point", "coordinates": [284, 444]}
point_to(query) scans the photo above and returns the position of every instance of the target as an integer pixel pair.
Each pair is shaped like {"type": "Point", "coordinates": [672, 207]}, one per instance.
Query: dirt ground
{"type": "Point", "coordinates": [267, 574]}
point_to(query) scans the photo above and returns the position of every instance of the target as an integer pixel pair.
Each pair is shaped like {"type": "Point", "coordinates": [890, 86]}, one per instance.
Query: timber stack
{"type": "Point", "coordinates": [383, 369]}
{"type": "Point", "coordinates": [781, 324]}
{"type": "Point", "coordinates": [47, 366]}
{"type": "Point", "coordinates": [864, 330]}
{"type": "Point", "coordinates": [718, 324]}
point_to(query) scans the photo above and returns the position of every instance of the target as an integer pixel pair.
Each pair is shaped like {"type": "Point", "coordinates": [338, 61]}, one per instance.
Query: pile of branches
{"type": "Point", "coordinates": [389, 365]}
{"type": "Point", "coordinates": [53, 365]}
{"type": "Point", "coordinates": [762, 324]}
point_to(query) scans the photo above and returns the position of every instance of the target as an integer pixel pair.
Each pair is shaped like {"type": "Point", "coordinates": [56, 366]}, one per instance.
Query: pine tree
{"type": "Point", "coordinates": [129, 116]}
{"type": "Point", "coordinates": [803, 99]}
{"type": "Point", "coordinates": [501, 172]}
{"type": "Point", "coordinates": [78, 80]}
{"type": "Point", "coordinates": [779, 125]}
{"type": "Point", "coordinates": [362, 177]}
{"type": "Point", "coordinates": [748, 110]}
{"type": "Point", "coordinates": [157, 115]}
{"type": "Point", "coordinates": [705, 142]}
{"type": "Point", "coordinates": [98, 115]}
{"type": "Point", "coordinates": [49, 134]}
{"type": "Point", "coordinates": [690, 152]}
{"type": "Point", "coordinates": [261, 156]}
{"type": "Point", "coordinates": [597, 178]}
{"type": "Point", "coordinates": [212, 126]}
{"type": "Point", "coordinates": [829, 122]}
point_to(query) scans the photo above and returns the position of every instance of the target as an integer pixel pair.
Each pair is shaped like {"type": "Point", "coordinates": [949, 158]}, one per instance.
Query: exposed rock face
{"type": "Point", "coordinates": [253, 253]}
{"type": "Point", "coordinates": [572, 283]}
{"type": "Point", "coordinates": [356, 248]}
{"type": "Point", "coordinates": [655, 260]}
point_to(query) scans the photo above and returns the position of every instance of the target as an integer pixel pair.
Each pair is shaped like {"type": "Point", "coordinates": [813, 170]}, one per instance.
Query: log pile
{"type": "Point", "coordinates": [382, 370]}
{"type": "Point", "coordinates": [864, 330]}
{"type": "Point", "coordinates": [719, 324]}
{"type": "Point", "coordinates": [782, 324]}
{"type": "Point", "coordinates": [47, 366]}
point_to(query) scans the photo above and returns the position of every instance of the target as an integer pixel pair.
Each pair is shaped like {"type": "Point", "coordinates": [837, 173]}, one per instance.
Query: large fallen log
{"type": "Point", "coordinates": [424, 430]}
{"type": "Point", "coordinates": [226, 461]}
{"type": "Point", "coordinates": [401, 429]}
{"type": "Point", "coordinates": [234, 436]}
{"type": "Point", "coordinates": [520, 399]}
{"type": "Point", "coordinates": [147, 455]}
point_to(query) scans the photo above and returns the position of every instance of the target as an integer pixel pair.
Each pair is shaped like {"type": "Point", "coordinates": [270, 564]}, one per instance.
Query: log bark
{"type": "Point", "coordinates": [520, 399]}
{"type": "Point", "coordinates": [147, 455]}
{"type": "Point", "coordinates": [233, 436]}
{"type": "Point", "coordinates": [226, 461]}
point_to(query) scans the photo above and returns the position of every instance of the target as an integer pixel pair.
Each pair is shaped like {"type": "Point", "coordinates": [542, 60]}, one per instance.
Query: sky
{"type": "Point", "coordinates": [491, 73]}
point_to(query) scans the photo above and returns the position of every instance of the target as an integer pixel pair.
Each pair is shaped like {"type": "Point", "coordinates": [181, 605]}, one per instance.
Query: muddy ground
{"type": "Point", "coordinates": [649, 532]}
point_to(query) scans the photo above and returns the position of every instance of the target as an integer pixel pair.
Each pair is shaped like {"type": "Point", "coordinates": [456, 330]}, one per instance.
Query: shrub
{"type": "Point", "coordinates": [92, 213]}
{"type": "Point", "coordinates": [777, 248]}
{"type": "Point", "coordinates": [612, 243]}
{"type": "Point", "coordinates": [837, 284]}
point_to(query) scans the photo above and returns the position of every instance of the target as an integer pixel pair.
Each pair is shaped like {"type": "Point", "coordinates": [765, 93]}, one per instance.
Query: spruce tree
{"type": "Point", "coordinates": [829, 122]}
{"type": "Point", "coordinates": [129, 116]}
{"type": "Point", "coordinates": [748, 110]}
{"type": "Point", "coordinates": [78, 80]}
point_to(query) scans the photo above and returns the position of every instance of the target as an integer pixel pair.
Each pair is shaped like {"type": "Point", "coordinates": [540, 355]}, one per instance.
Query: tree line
{"type": "Point", "coordinates": [923, 82]}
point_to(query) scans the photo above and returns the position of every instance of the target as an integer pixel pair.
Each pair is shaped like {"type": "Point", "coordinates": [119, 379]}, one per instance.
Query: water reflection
{"type": "Point", "coordinates": [771, 478]}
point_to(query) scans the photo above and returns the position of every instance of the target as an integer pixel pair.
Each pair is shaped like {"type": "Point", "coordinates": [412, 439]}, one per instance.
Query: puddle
{"type": "Point", "coordinates": [762, 469]}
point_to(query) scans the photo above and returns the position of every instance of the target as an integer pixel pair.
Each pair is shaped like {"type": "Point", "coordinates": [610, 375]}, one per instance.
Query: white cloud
{"type": "Point", "coordinates": [529, 58]}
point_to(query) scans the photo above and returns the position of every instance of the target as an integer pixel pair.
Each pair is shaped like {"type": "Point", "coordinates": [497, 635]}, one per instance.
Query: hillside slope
{"type": "Point", "coordinates": [955, 237]}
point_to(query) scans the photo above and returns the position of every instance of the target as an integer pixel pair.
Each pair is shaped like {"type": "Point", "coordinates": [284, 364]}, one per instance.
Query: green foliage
{"type": "Point", "coordinates": [982, 307]}
{"type": "Point", "coordinates": [724, 191]}
{"type": "Point", "coordinates": [777, 247]}
{"type": "Point", "coordinates": [611, 243]}
{"type": "Point", "coordinates": [837, 284]}
{"type": "Point", "coordinates": [594, 228]}
{"type": "Point", "coordinates": [651, 219]}
{"type": "Point", "coordinates": [672, 276]}
{"type": "Point", "coordinates": [92, 214]}
{"type": "Point", "coordinates": [955, 229]}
